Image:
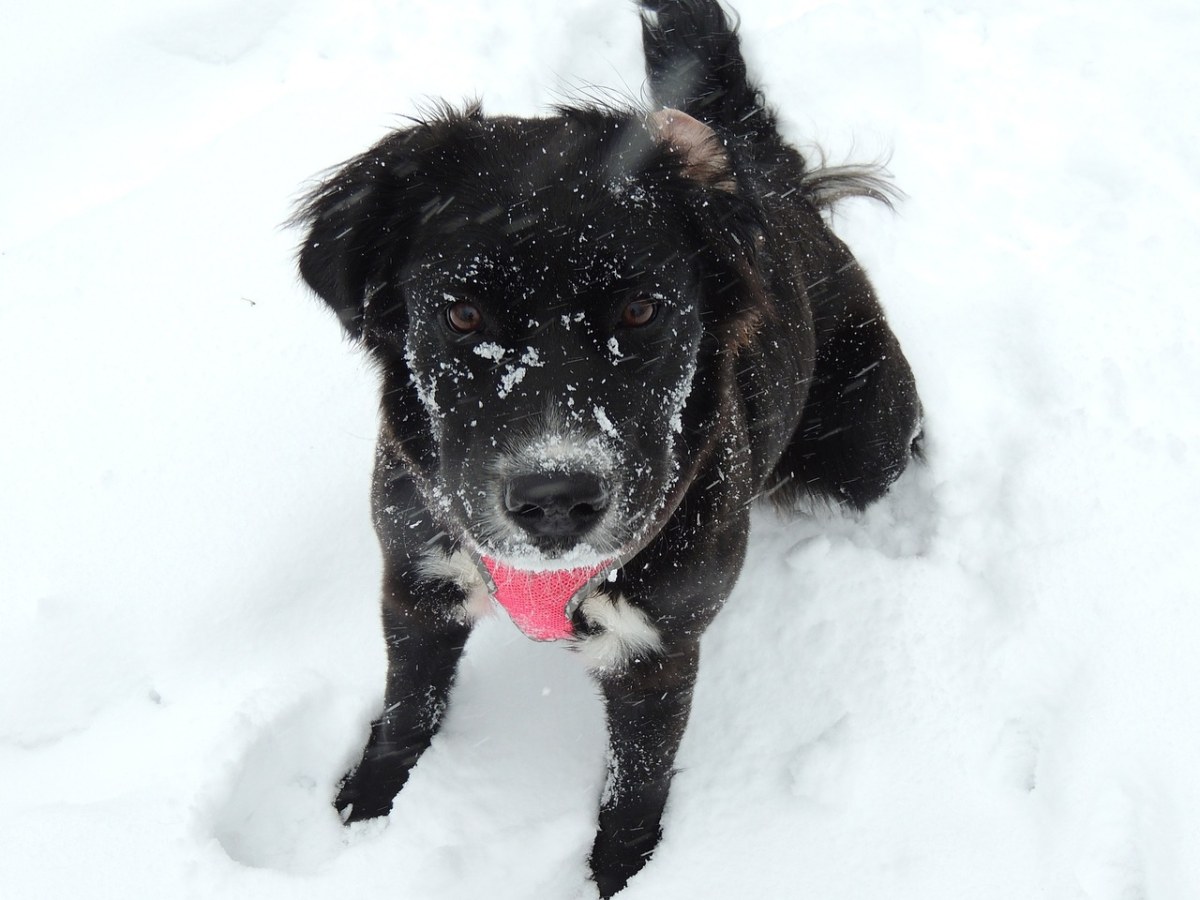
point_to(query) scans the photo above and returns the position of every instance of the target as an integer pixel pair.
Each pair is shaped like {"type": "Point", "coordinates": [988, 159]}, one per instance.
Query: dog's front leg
{"type": "Point", "coordinates": [423, 653]}
{"type": "Point", "coordinates": [647, 707]}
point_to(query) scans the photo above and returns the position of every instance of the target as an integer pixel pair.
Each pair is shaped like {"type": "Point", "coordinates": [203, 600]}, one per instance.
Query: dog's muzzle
{"type": "Point", "coordinates": [556, 504]}
{"type": "Point", "coordinates": [549, 507]}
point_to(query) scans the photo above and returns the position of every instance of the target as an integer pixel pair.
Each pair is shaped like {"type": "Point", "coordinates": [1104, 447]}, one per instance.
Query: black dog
{"type": "Point", "coordinates": [602, 336]}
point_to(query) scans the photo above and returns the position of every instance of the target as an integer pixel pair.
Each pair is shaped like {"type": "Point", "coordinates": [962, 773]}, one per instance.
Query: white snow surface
{"type": "Point", "coordinates": [986, 687]}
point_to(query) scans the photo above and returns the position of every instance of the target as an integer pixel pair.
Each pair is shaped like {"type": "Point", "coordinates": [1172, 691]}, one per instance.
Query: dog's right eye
{"type": "Point", "coordinates": [639, 313]}
{"type": "Point", "coordinates": [463, 317]}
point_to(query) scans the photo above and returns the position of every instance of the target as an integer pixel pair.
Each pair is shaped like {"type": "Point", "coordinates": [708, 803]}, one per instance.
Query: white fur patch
{"type": "Point", "coordinates": [460, 569]}
{"type": "Point", "coordinates": [626, 633]}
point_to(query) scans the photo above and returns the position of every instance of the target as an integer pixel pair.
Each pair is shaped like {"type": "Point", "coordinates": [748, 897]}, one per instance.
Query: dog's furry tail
{"type": "Point", "coordinates": [694, 62]}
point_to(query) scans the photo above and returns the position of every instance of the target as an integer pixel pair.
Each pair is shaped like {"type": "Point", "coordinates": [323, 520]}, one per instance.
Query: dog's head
{"type": "Point", "coordinates": [545, 299]}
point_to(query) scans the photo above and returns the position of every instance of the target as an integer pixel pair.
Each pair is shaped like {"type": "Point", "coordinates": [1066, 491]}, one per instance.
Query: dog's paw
{"type": "Point", "coordinates": [361, 797]}
{"type": "Point", "coordinates": [617, 857]}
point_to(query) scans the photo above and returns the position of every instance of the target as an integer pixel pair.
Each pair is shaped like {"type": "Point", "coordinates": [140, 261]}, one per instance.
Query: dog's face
{"type": "Point", "coordinates": [553, 360]}
{"type": "Point", "coordinates": [539, 295]}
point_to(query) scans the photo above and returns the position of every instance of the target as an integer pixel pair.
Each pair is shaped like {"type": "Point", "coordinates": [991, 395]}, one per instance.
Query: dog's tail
{"type": "Point", "coordinates": [694, 62]}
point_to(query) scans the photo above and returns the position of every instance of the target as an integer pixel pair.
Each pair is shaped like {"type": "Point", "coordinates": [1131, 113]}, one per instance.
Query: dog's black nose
{"type": "Point", "coordinates": [558, 504]}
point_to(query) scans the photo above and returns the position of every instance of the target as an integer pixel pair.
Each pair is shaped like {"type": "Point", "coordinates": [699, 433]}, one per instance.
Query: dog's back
{"type": "Point", "coordinates": [861, 417]}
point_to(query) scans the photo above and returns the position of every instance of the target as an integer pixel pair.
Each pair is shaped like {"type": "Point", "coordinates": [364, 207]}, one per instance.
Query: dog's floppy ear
{"type": "Point", "coordinates": [701, 151]}
{"type": "Point", "coordinates": [360, 221]}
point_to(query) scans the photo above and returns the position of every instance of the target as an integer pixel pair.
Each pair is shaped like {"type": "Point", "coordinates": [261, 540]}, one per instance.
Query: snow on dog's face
{"type": "Point", "coordinates": [540, 295]}
{"type": "Point", "coordinates": [553, 367]}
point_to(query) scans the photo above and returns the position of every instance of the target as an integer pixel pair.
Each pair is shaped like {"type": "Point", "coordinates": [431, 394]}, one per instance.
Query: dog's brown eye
{"type": "Point", "coordinates": [638, 313]}
{"type": "Point", "coordinates": [465, 318]}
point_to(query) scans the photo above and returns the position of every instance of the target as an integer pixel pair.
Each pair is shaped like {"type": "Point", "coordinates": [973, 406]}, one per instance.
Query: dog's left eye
{"type": "Point", "coordinates": [639, 313]}
{"type": "Point", "coordinates": [465, 318]}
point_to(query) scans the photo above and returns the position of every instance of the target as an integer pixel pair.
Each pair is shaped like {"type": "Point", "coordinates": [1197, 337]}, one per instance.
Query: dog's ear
{"type": "Point", "coordinates": [360, 221]}
{"type": "Point", "coordinates": [729, 225]}
{"type": "Point", "coordinates": [701, 151]}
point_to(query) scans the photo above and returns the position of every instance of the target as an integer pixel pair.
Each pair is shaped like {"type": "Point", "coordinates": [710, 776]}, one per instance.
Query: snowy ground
{"type": "Point", "coordinates": [988, 687]}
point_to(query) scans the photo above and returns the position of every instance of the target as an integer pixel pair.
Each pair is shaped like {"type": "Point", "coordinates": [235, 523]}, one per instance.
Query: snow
{"type": "Point", "coordinates": [604, 421]}
{"type": "Point", "coordinates": [489, 350]}
{"type": "Point", "coordinates": [513, 375]}
{"type": "Point", "coordinates": [985, 687]}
